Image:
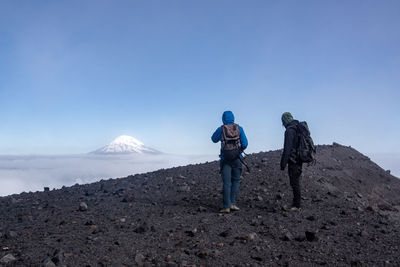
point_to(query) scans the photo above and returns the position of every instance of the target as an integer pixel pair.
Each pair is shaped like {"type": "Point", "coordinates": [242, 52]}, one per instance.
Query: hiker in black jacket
{"type": "Point", "coordinates": [289, 157]}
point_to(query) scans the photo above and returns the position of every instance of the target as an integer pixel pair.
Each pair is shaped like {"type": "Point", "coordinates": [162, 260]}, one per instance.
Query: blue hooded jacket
{"type": "Point", "coordinates": [228, 118]}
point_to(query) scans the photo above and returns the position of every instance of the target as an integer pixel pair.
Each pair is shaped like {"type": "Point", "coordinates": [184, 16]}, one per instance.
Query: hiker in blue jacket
{"type": "Point", "coordinates": [233, 143]}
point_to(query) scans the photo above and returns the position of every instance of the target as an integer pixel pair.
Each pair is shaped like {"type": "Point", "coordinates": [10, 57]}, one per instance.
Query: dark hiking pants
{"type": "Point", "coordinates": [295, 170]}
{"type": "Point", "coordinates": [230, 173]}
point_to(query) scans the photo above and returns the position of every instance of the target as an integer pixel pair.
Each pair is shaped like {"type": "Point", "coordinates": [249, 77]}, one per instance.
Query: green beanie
{"type": "Point", "coordinates": [286, 118]}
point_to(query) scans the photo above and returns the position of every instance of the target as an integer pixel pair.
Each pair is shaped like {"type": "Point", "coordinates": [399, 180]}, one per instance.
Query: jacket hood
{"type": "Point", "coordinates": [228, 118]}
{"type": "Point", "coordinates": [287, 118]}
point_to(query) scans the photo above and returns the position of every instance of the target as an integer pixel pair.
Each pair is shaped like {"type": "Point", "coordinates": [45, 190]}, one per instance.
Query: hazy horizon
{"type": "Point", "coordinates": [33, 173]}
{"type": "Point", "coordinates": [25, 173]}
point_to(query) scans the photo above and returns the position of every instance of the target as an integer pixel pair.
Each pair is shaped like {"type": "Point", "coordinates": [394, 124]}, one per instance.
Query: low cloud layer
{"type": "Point", "coordinates": [33, 173]}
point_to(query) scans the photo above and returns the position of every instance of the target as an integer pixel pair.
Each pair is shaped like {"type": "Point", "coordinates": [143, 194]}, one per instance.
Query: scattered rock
{"type": "Point", "coordinates": [325, 227]}
{"type": "Point", "coordinates": [349, 234]}
{"type": "Point", "coordinates": [372, 208]}
{"type": "Point", "coordinates": [139, 259]}
{"type": "Point", "coordinates": [58, 257]}
{"type": "Point", "coordinates": [311, 218]}
{"type": "Point", "coordinates": [142, 228]}
{"type": "Point", "coordinates": [83, 206]}
{"type": "Point", "coordinates": [251, 236]}
{"type": "Point", "coordinates": [287, 236]}
{"type": "Point", "coordinates": [191, 233]}
{"type": "Point", "coordinates": [311, 236]}
{"type": "Point", "coordinates": [48, 263]}
{"type": "Point", "coordinates": [257, 258]}
{"type": "Point", "coordinates": [8, 259]}
{"type": "Point", "coordinates": [316, 198]}
{"type": "Point", "coordinates": [46, 189]}
{"type": "Point", "coordinates": [128, 197]}
{"type": "Point", "coordinates": [386, 207]}
{"type": "Point", "coordinates": [255, 222]}
{"type": "Point", "coordinates": [184, 188]}
{"type": "Point", "coordinates": [119, 192]}
{"type": "Point", "coordinates": [363, 233]}
{"type": "Point", "coordinates": [89, 222]}
{"type": "Point", "coordinates": [10, 234]}
{"type": "Point", "coordinates": [332, 223]}
{"type": "Point", "coordinates": [285, 208]}
{"type": "Point", "coordinates": [203, 254]}
{"type": "Point", "coordinates": [202, 209]}
{"type": "Point", "coordinates": [300, 238]}
{"type": "Point", "coordinates": [226, 233]}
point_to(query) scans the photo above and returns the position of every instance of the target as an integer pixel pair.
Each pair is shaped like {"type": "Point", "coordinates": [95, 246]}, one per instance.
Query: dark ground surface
{"type": "Point", "coordinates": [169, 218]}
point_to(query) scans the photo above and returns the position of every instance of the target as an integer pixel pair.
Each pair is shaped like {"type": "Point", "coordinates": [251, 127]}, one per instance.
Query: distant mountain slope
{"type": "Point", "coordinates": [125, 144]}
{"type": "Point", "coordinates": [169, 218]}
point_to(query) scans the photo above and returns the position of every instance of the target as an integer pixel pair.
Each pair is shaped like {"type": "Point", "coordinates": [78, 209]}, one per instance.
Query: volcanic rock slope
{"type": "Point", "coordinates": [170, 218]}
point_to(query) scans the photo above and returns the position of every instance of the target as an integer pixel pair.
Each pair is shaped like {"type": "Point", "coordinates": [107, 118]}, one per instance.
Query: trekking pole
{"type": "Point", "coordinates": [244, 163]}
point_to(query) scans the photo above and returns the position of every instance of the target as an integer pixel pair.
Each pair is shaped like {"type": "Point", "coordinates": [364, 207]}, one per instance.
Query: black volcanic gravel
{"type": "Point", "coordinates": [169, 218]}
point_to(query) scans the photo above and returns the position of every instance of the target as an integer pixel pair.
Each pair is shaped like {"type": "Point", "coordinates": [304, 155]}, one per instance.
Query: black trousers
{"type": "Point", "coordinates": [295, 170]}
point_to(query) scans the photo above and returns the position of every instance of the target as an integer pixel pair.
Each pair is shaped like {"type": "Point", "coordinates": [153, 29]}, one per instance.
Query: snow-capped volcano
{"type": "Point", "coordinates": [125, 144]}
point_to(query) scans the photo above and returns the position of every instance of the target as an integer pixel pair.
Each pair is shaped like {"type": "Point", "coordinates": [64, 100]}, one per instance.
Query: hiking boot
{"type": "Point", "coordinates": [227, 210]}
{"type": "Point", "coordinates": [235, 208]}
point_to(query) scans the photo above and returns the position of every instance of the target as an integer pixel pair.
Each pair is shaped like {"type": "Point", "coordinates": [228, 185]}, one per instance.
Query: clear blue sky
{"type": "Point", "coordinates": [76, 74]}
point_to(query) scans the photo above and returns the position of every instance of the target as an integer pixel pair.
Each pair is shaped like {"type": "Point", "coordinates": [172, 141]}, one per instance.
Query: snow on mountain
{"type": "Point", "coordinates": [125, 144]}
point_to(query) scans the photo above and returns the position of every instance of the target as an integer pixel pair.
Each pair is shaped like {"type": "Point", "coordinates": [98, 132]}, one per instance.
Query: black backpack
{"type": "Point", "coordinates": [306, 149]}
{"type": "Point", "coordinates": [231, 146]}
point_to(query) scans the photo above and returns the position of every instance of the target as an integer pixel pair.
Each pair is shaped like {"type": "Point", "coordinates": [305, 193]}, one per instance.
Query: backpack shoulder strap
{"type": "Point", "coordinates": [223, 133]}
{"type": "Point", "coordinates": [238, 128]}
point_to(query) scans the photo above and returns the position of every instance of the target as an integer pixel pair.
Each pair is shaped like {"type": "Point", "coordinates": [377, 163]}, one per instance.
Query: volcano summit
{"type": "Point", "coordinates": [125, 144]}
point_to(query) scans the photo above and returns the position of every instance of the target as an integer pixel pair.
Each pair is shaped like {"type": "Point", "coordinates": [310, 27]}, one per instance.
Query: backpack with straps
{"type": "Point", "coordinates": [231, 146]}
{"type": "Point", "coordinates": [306, 149]}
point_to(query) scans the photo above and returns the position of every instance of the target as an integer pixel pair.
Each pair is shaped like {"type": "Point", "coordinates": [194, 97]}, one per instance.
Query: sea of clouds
{"type": "Point", "coordinates": [33, 173]}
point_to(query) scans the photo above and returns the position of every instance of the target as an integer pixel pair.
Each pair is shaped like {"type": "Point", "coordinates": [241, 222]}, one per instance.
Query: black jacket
{"type": "Point", "coordinates": [290, 145]}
